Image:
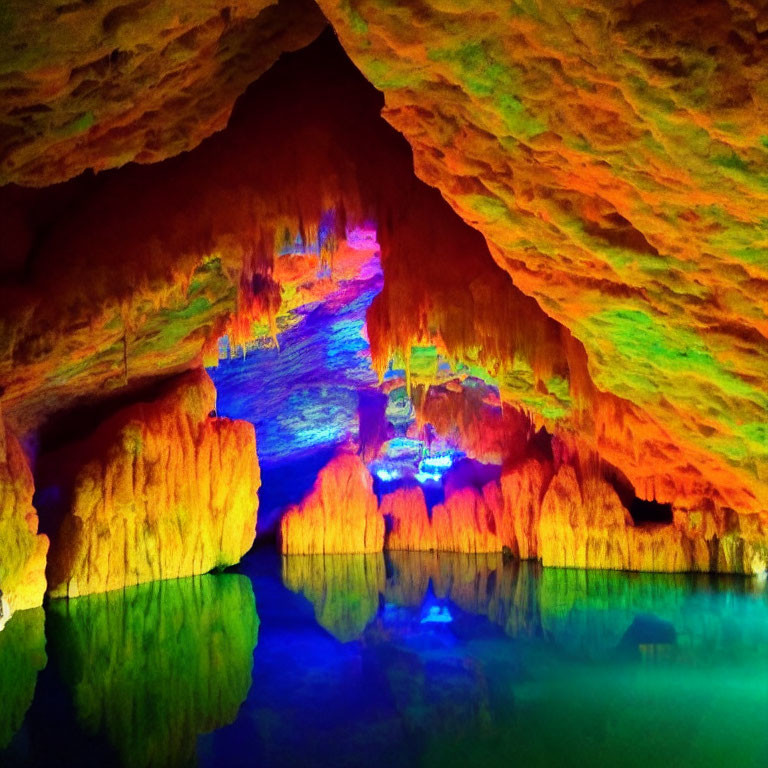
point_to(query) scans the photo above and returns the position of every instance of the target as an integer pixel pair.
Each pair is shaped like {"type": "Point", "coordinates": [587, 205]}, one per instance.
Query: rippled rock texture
{"type": "Point", "coordinates": [584, 525]}
{"type": "Point", "coordinates": [99, 84]}
{"type": "Point", "coordinates": [22, 550]}
{"type": "Point", "coordinates": [614, 157]}
{"type": "Point", "coordinates": [161, 490]}
{"type": "Point", "coordinates": [154, 666]}
{"type": "Point", "coordinates": [339, 515]}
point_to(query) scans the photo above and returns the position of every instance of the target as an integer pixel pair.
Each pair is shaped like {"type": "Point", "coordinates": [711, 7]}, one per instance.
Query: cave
{"type": "Point", "coordinates": [383, 382]}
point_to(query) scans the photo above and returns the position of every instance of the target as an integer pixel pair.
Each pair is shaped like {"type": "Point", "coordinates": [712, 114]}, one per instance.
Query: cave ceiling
{"type": "Point", "coordinates": [614, 156]}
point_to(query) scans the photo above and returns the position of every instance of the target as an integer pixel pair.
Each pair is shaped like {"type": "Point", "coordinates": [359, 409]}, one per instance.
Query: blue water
{"type": "Point", "coordinates": [408, 660]}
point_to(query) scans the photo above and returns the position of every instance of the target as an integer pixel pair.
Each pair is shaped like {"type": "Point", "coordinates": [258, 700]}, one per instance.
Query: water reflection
{"type": "Point", "coordinates": [547, 667]}
{"type": "Point", "coordinates": [344, 589]}
{"type": "Point", "coordinates": [22, 656]}
{"type": "Point", "coordinates": [153, 666]}
{"type": "Point", "coordinates": [408, 659]}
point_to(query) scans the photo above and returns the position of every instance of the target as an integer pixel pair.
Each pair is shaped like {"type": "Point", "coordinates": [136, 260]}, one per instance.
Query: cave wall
{"type": "Point", "coordinates": [605, 266]}
{"type": "Point", "coordinates": [613, 157]}
{"type": "Point", "coordinates": [161, 490]}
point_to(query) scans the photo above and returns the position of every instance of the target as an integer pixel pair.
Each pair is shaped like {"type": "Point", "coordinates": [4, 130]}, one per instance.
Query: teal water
{"type": "Point", "coordinates": [408, 660]}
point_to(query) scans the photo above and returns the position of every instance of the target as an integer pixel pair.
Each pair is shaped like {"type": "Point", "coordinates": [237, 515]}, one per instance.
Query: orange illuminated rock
{"type": "Point", "coordinates": [522, 490]}
{"type": "Point", "coordinates": [96, 85]}
{"type": "Point", "coordinates": [160, 490]}
{"type": "Point", "coordinates": [410, 526]}
{"type": "Point", "coordinates": [22, 550]}
{"type": "Point", "coordinates": [466, 522]}
{"type": "Point", "coordinates": [584, 525]}
{"type": "Point", "coordinates": [583, 529]}
{"type": "Point", "coordinates": [339, 515]}
{"type": "Point", "coordinates": [614, 157]}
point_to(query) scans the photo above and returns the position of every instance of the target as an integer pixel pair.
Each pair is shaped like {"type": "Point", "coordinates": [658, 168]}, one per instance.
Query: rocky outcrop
{"type": "Point", "coordinates": [154, 666]}
{"type": "Point", "coordinates": [584, 525]}
{"type": "Point", "coordinates": [522, 490]}
{"type": "Point", "coordinates": [22, 550]}
{"type": "Point", "coordinates": [573, 522]}
{"type": "Point", "coordinates": [161, 490]}
{"type": "Point", "coordinates": [500, 515]}
{"type": "Point", "coordinates": [614, 159]}
{"type": "Point", "coordinates": [339, 515]}
{"type": "Point", "coordinates": [467, 521]}
{"type": "Point", "coordinates": [99, 84]}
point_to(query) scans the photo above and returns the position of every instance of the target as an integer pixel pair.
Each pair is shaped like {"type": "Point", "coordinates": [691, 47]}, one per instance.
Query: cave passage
{"type": "Point", "coordinates": [383, 383]}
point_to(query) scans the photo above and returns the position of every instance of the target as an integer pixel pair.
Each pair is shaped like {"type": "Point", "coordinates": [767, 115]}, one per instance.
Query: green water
{"type": "Point", "coordinates": [412, 660]}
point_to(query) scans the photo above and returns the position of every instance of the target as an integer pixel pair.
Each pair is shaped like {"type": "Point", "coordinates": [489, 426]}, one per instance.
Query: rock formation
{"type": "Point", "coordinates": [585, 233]}
{"type": "Point", "coordinates": [96, 85]}
{"type": "Point", "coordinates": [161, 490]}
{"type": "Point", "coordinates": [465, 522]}
{"type": "Point", "coordinates": [613, 158]}
{"type": "Point", "coordinates": [154, 666]}
{"type": "Point", "coordinates": [22, 550]}
{"type": "Point", "coordinates": [339, 515]}
{"type": "Point", "coordinates": [522, 491]}
{"type": "Point", "coordinates": [584, 525]}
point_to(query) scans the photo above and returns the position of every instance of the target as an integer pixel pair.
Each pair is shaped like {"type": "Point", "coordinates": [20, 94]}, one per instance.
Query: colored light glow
{"type": "Point", "coordinates": [437, 462]}
{"type": "Point", "coordinates": [387, 475]}
{"type": "Point", "coordinates": [427, 477]}
{"type": "Point", "coordinates": [437, 615]}
{"type": "Point", "coordinates": [362, 238]}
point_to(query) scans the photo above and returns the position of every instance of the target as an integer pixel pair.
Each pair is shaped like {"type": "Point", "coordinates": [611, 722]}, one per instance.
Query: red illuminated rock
{"type": "Point", "coordinates": [160, 490]}
{"type": "Point", "coordinates": [339, 515]}
{"type": "Point", "coordinates": [22, 550]}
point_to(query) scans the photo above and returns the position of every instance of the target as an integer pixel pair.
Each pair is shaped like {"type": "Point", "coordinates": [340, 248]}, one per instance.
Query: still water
{"type": "Point", "coordinates": [408, 660]}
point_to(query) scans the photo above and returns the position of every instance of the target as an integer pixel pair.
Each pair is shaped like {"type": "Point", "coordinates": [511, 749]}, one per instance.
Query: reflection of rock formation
{"type": "Point", "coordinates": [586, 611]}
{"type": "Point", "coordinates": [344, 589]}
{"type": "Point", "coordinates": [22, 550]}
{"type": "Point", "coordinates": [155, 665]}
{"type": "Point", "coordinates": [160, 490]}
{"type": "Point", "coordinates": [339, 515]}
{"type": "Point", "coordinates": [481, 584]}
{"type": "Point", "coordinates": [22, 656]}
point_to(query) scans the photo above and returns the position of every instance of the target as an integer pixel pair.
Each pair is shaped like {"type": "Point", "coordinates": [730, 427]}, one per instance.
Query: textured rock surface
{"type": "Point", "coordinates": [22, 550]}
{"type": "Point", "coordinates": [466, 522]}
{"type": "Point", "coordinates": [584, 525]}
{"type": "Point", "coordinates": [522, 490]}
{"type": "Point", "coordinates": [503, 514]}
{"type": "Point", "coordinates": [339, 515]}
{"type": "Point", "coordinates": [154, 666]}
{"type": "Point", "coordinates": [160, 490]}
{"type": "Point", "coordinates": [22, 656]}
{"type": "Point", "coordinates": [99, 84]}
{"type": "Point", "coordinates": [613, 156]}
